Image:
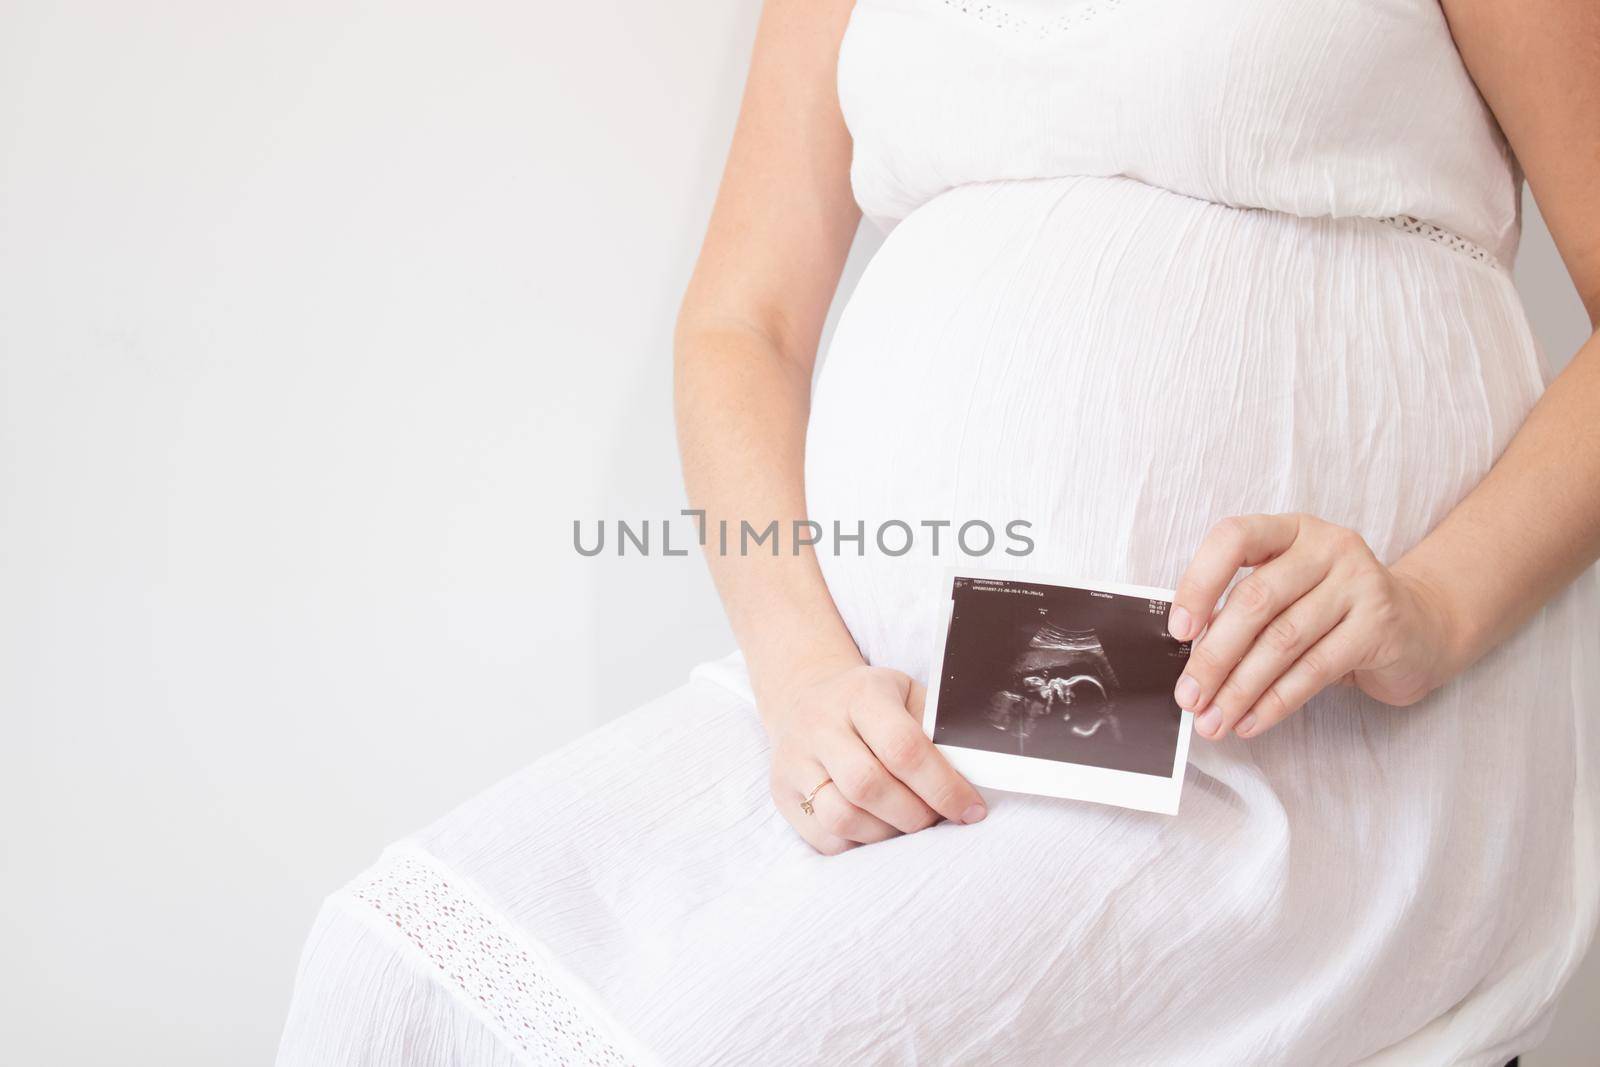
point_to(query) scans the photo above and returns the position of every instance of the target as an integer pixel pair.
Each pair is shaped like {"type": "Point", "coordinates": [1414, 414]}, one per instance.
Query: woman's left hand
{"type": "Point", "coordinates": [1318, 609]}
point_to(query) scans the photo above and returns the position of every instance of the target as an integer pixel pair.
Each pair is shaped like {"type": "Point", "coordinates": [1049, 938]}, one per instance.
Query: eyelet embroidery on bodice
{"type": "Point", "coordinates": [1001, 19]}
{"type": "Point", "coordinates": [1441, 236]}
{"type": "Point", "coordinates": [485, 961]}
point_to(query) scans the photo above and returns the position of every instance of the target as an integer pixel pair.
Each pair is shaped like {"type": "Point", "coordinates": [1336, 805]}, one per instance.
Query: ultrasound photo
{"type": "Point", "coordinates": [1062, 689]}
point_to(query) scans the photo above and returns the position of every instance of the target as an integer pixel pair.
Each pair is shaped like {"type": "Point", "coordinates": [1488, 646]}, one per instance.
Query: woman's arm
{"type": "Point", "coordinates": [748, 332]}
{"type": "Point", "coordinates": [746, 343]}
{"type": "Point", "coordinates": [1319, 608]}
{"type": "Point", "coordinates": [1533, 524]}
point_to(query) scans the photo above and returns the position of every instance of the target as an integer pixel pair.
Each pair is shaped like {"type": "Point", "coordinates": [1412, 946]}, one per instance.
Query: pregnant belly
{"type": "Point", "coordinates": [1119, 367]}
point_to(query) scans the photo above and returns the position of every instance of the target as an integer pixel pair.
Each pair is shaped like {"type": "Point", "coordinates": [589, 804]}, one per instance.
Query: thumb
{"type": "Point", "coordinates": [916, 699]}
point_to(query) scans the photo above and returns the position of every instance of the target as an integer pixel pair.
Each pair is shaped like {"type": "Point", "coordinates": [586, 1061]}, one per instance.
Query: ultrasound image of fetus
{"type": "Point", "coordinates": [1063, 675]}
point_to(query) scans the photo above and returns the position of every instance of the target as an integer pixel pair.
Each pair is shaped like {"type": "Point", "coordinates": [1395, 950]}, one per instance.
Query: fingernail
{"type": "Point", "coordinates": [974, 814]}
{"type": "Point", "coordinates": [1178, 623]}
{"type": "Point", "coordinates": [1187, 692]}
{"type": "Point", "coordinates": [1245, 725]}
{"type": "Point", "coordinates": [1208, 723]}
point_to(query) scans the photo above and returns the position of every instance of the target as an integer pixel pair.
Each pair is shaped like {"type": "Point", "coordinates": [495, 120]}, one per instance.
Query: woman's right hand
{"type": "Point", "coordinates": [745, 349]}
{"type": "Point", "coordinates": [859, 728]}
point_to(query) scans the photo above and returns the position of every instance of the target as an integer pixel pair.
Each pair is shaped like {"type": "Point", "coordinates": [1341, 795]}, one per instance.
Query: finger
{"type": "Point", "coordinates": [865, 782]}
{"type": "Point", "coordinates": [917, 700]}
{"type": "Point", "coordinates": [917, 705]}
{"type": "Point", "coordinates": [896, 738]}
{"type": "Point", "coordinates": [788, 795]}
{"type": "Point", "coordinates": [1284, 640]}
{"type": "Point", "coordinates": [1324, 663]}
{"type": "Point", "coordinates": [1237, 541]}
{"type": "Point", "coordinates": [1252, 607]}
{"type": "Point", "coordinates": [835, 814]}
{"type": "Point", "coordinates": [977, 808]}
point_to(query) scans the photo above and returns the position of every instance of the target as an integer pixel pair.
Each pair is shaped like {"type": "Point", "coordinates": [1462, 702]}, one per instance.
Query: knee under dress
{"type": "Point", "coordinates": [1150, 263]}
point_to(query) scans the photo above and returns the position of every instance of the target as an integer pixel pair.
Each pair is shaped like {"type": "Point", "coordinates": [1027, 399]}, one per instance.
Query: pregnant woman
{"type": "Point", "coordinates": [1214, 294]}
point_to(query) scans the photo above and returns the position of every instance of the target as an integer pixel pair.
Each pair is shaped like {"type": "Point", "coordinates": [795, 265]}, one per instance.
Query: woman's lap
{"type": "Point", "coordinates": [637, 896]}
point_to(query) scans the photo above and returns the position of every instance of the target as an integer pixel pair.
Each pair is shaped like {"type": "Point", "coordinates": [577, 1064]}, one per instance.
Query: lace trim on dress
{"type": "Point", "coordinates": [1441, 236]}
{"type": "Point", "coordinates": [998, 17]}
{"type": "Point", "coordinates": [486, 962]}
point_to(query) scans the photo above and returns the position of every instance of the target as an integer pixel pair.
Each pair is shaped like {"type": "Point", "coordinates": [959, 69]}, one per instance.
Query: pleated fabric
{"type": "Point", "coordinates": [1150, 264]}
{"type": "Point", "coordinates": [1344, 108]}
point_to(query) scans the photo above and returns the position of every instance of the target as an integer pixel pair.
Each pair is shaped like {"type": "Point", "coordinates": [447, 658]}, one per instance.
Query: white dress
{"type": "Point", "coordinates": [1153, 262]}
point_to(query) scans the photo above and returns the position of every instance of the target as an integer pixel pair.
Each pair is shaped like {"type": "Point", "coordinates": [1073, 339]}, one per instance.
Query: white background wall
{"type": "Point", "coordinates": [319, 323]}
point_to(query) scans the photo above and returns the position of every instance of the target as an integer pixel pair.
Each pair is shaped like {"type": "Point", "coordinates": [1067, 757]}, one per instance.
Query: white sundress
{"type": "Point", "coordinates": [1152, 262]}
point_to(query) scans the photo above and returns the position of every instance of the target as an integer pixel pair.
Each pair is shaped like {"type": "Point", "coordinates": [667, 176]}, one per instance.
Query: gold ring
{"type": "Point", "coordinates": [805, 802]}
